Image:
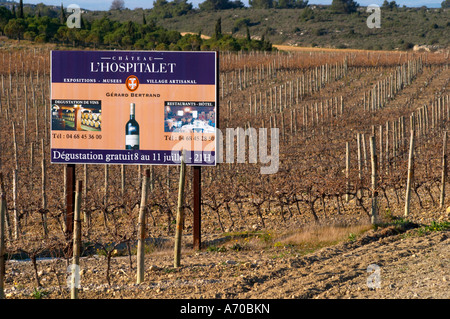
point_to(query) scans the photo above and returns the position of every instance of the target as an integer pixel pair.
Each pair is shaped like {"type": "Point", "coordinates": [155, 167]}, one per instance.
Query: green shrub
{"type": "Point", "coordinates": [407, 46]}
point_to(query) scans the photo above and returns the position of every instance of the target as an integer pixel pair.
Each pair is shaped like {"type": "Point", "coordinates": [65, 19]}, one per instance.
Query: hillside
{"type": "Point", "coordinates": [29, 23]}
{"type": "Point", "coordinates": [314, 26]}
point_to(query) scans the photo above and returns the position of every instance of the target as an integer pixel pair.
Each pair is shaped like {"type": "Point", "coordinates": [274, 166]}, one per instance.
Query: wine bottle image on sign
{"type": "Point", "coordinates": [132, 131]}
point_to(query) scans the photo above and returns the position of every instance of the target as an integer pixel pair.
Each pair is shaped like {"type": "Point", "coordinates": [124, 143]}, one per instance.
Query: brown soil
{"type": "Point", "coordinates": [413, 263]}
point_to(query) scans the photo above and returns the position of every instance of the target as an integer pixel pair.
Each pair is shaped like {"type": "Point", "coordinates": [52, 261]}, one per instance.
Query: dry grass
{"type": "Point", "coordinates": [303, 240]}
{"type": "Point", "coordinates": [316, 236]}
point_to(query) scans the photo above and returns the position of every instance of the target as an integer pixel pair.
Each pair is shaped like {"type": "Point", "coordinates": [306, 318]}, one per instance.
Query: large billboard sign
{"type": "Point", "coordinates": [133, 107]}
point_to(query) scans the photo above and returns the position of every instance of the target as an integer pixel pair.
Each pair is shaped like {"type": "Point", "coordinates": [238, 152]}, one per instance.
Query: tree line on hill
{"type": "Point", "coordinates": [106, 33]}
{"type": "Point", "coordinates": [209, 5]}
{"type": "Point", "coordinates": [165, 8]}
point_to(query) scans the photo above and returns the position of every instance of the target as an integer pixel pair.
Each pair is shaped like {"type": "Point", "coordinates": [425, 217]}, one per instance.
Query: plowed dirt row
{"type": "Point", "coordinates": [408, 268]}
{"type": "Point", "coordinates": [408, 264]}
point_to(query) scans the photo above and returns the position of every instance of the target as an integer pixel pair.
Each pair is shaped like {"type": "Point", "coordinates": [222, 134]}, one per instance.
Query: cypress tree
{"type": "Point", "coordinates": [21, 10]}
{"type": "Point", "coordinates": [218, 29]}
{"type": "Point", "coordinates": [62, 17]}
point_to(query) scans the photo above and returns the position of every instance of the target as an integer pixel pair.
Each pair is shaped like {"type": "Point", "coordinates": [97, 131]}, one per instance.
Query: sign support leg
{"type": "Point", "coordinates": [70, 203]}
{"type": "Point", "coordinates": [197, 207]}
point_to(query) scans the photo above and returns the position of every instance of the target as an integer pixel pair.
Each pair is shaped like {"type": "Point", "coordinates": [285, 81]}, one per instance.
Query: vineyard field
{"type": "Point", "coordinates": [362, 157]}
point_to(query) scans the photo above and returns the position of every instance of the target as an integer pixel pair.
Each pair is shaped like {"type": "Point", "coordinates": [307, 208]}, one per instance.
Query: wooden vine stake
{"type": "Point", "coordinates": [444, 170]}
{"type": "Point", "coordinates": [15, 186]}
{"type": "Point", "coordinates": [347, 171]}
{"type": "Point", "coordinates": [180, 215]}
{"type": "Point", "coordinates": [87, 215]}
{"type": "Point", "coordinates": [75, 280]}
{"type": "Point", "coordinates": [373, 157]}
{"type": "Point", "coordinates": [2, 237]}
{"type": "Point", "coordinates": [358, 140]}
{"type": "Point", "coordinates": [16, 211]}
{"type": "Point", "coordinates": [410, 174]}
{"type": "Point", "coordinates": [44, 194]}
{"type": "Point", "coordinates": [141, 227]}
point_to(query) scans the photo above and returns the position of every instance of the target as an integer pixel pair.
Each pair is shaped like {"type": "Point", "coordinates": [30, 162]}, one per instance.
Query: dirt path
{"type": "Point", "coordinates": [313, 49]}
